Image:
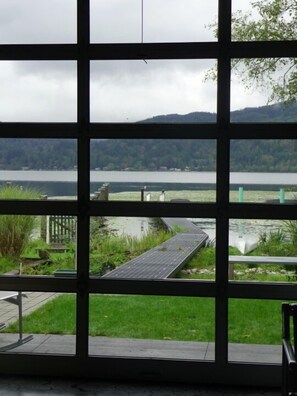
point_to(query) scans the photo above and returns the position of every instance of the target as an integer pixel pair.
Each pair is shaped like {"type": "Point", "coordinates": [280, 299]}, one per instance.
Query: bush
{"type": "Point", "coordinates": [273, 244]}
{"type": "Point", "coordinates": [290, 226]}
{"type": "Point", "coordinates": [15, 230]}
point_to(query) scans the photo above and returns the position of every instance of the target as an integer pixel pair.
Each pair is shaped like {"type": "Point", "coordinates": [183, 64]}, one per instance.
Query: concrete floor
{"type": "Point", "coordinates": [23, 386]}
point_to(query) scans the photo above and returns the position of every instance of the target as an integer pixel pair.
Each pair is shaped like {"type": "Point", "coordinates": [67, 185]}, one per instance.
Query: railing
{"type": "Point", "coordinates": [254, 260]}
{"type": "Point", "coordinates": [61, 229]}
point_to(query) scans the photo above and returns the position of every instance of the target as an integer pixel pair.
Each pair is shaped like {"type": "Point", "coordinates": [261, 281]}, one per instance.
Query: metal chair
{"type": "Point", "coordinates": [289, 349]}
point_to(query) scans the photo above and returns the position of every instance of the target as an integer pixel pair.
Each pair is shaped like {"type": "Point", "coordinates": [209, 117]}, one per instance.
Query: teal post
{"type": "Point", "coordinates": [282, 195]}
{"type": "Point", "coordinates": [240, 194]}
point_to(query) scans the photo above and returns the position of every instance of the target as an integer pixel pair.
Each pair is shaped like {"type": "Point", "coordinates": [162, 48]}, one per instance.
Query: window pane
{"type": "Point", "coordinates": [153, 169]}
{"type": "Point", "coordinates": [152, 326]}
{"type": "Point", "coordinates": [255, 331]}
{"type": "Point", "coordinates": [46, 166]}
{"type": "Point", "coordinates": [34, 91]}
{"type": "Point", "coordinates": [263, 170]}
{"type": "Point", "coordinates": [37, 22]}
{"type": "Point", "coordinates": [152, 248]}
{"type": "Point", "coordinates": [266, 83]}
{"type": "Point", "coordinates": [263, 20]}
{"type": "Point", "coordinates": [262, 250]}
{"type": "Point", "coordinates": [152, 21]}
{"type": "Point", "coordinates": [38, 245]}
{"type": "Point", "coordinates": [131, 91]}
{"type": "Point", "coordinates": [44, 323]}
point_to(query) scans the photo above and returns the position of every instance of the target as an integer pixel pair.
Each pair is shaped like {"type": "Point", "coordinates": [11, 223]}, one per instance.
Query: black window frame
{"type": "Point", "coordinates": [221, 370]}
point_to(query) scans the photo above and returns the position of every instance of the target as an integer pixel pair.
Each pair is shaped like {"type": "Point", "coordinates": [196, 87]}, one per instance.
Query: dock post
{"type": "Point", "coordinates": [240, 194]}
{"type": "Point", "coordinates": [282, 195]}
{"type": "Point", "coordinates": [142, 192]}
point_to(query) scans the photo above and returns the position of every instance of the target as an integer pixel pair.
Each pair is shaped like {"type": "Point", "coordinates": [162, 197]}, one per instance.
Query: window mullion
{"type": "Point", "coordinates": [83, 110]}
{"type": "Point", "coordinates": [223, 156]}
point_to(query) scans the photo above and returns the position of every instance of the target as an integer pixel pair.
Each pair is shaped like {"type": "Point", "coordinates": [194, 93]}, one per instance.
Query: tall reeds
{"type": "Point", "coordinates": [15, 230]}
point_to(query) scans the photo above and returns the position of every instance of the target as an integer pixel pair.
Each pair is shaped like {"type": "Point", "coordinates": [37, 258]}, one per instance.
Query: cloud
{"type": "Point", "coordinates": [37, 21]}
{"type": "Point", "coordinates": [166, 20]}
{"type": "Point", "coordinates": [37, 96]}
{"type": "Point", "coordinates": [158, 87]}
{"type": "Point", "coordinates": [120, 90]}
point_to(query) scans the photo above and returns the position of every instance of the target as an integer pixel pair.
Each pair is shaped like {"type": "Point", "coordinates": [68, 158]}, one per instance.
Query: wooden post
{"type": "Point", "coordinates": [162, 196]}
{"type": "Point", "coordinates": [43, 221]}
{"type": "Point", "coordinates": [142, 192]}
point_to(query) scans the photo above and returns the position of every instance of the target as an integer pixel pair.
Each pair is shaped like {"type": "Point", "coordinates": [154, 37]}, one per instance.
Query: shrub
{"type": "Point", "coordinates": [273, 244]}
{"type": "Point", "coordinates": [15, 230]}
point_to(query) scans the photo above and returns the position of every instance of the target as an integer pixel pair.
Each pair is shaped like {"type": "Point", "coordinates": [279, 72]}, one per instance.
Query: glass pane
{"type": "Point", "coordinates": [34, 91]}
{"type": "Point", "coordinates": [37, 322]}
{"type": "Point", "coordinates": [152, 91]}
{"type": "Point", "coordinates": [152, 326]}
{"type": "Point", "coordinates": [263, 20]}
{"type": "Point", "coordinates": [262, 90]}
{"type": "Point", "coordinates": [37, 22]}
{"type": "Point", "coordinates": [46, 167]}
{"type": "Point", "coordinates": [255, 331]}
{"type": "Point", "coordinates": [152, 21]}
{"type": "Point", "coordinates": [153, 170]}
{"type": "Point", "coordinates": [263, 250]}
{"type": "Point", "coordinates": [38, 245]}
{"type": "Point", "coordinates": [151, 248]}
{"type": "Point", "coordinates": [263, 171]}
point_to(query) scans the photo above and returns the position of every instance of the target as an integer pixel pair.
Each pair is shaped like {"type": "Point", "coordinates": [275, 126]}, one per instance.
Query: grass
{"type": "Point", "coordinates": [160, 318]}
{"type": "Point", "coordinates": [55, 317]}
{"type": "Point", "coordinates": [156, 317]}
{"type": "Point", "coordinates": [177, 228]}
{"type": "Point", "coordinates": [202, 265]}
{"type": "Point", "coordinates": [255, 321]}
{"type": "Point", "coordinates": [7, 264]}
{"type": "Point", "coordinates": [106, 253]}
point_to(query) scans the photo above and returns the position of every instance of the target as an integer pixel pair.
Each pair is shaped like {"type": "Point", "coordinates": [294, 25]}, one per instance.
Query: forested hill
{"type": "Point", "coordinates": [148, 154]}
{"type": "Point", "coordinates": [273, 113]}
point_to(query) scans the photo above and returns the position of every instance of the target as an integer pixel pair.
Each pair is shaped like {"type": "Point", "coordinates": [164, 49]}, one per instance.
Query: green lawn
{"type": "Point", "coordinates": [158, 317]}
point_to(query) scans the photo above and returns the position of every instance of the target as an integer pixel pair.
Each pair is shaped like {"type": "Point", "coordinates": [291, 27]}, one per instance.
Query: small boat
{"type": "Point", "coordinates": [246, 243]}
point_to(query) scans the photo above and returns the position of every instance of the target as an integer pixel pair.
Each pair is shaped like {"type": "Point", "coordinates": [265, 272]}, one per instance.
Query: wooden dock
{"type": "Point", "coordinates": [165, 260]}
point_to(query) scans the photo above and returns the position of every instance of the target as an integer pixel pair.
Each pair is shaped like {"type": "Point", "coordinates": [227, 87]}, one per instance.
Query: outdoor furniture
{"type": "Point", "coordinates": [14, 298]}
{"type": "Point", "coordinates": [289, 335]}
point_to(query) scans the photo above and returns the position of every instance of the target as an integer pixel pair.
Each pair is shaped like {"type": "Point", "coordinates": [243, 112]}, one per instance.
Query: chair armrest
{"type": "Point", "coordinates": [289, 353]}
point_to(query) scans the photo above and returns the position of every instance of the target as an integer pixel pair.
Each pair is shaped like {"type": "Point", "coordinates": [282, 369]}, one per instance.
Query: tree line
{"type": "Point", "coordinates": [157, 154]}
{"type": "Point", "coordinates": [151, 155]}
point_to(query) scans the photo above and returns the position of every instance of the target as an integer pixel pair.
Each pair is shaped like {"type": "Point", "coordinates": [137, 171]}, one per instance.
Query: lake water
{"type": "Point", "coordinates": [63, 183]}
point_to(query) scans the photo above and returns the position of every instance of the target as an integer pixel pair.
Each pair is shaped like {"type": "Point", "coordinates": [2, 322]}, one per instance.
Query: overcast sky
{"type": "Point", "coordinates": [120, 91]}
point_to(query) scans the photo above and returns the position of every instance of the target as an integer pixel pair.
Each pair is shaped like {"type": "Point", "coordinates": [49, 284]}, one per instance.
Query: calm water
{"type": "Point", "coordinates": [64, 182]}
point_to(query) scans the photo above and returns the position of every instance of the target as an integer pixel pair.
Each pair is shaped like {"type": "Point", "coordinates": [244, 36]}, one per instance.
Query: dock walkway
{"type": "Point", "coordinates": [166, 259]}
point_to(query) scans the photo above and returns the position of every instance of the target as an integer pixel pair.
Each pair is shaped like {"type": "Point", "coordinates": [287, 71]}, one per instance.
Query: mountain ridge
{"type": "Point", "coordinates": [167, 154]}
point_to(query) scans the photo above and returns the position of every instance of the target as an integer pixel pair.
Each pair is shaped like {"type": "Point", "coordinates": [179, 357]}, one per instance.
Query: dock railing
{"type": "Point", "coordinates": [261, 260]}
